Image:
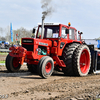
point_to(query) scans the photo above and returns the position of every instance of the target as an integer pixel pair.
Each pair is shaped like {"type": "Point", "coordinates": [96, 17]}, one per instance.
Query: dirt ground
{"type": "Point", "coordinates": [25, 86]}
{"type": "Point", "coordinates": [2, 57]}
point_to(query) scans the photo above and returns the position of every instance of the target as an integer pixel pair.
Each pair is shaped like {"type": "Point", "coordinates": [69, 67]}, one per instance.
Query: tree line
{"type": "Point", "coordinates": [17, 34]}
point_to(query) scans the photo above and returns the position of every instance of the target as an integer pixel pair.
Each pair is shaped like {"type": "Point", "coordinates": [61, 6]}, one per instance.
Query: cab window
{"type": "Point", "coordinates": [72, 34]}
{"type": "Point", "coordinates": [63, 34]}
{"type": "Point", "coordinates": [49, 32]}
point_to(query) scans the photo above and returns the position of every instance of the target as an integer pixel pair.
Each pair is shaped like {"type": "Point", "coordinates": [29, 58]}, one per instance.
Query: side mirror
{"type": "Point", "coordinates": [80, 32]}
{"type": "Point", "coordinates": [33, 30]}
{"type": "Point", "coordinates": [67, 31]}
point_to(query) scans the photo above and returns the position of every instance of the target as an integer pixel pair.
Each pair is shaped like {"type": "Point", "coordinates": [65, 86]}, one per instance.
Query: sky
{"type": "Point", "coordinates": [84, 15]}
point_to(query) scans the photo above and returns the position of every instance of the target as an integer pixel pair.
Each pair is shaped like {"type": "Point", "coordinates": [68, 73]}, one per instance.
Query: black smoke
{"type": "Point", "coordinates": [47, 7]}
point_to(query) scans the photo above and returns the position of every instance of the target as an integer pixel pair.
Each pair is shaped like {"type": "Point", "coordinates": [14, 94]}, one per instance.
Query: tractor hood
{"type": "Point", "coordinates": [34, 41]}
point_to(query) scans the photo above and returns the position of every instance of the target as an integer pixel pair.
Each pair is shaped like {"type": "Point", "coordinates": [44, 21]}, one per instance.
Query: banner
{"type": "Point", "coordinates": [11, 32]}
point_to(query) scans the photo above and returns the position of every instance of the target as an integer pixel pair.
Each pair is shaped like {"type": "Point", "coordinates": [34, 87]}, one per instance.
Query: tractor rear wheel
{"type": "Point", "coordinates": [32, 68]}
{"type": "Point", "coordinates": [45, 67]}
{"type": "Point", "coordinates": [12, 63]}
{"type": "Point", "coordinates": [82, 61]}
{"type": "Point", "coordinates": [67, 57]}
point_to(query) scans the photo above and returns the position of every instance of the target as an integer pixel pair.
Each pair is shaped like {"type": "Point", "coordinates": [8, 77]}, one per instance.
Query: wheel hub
{"type": "Point", "coordinates": [84, 61]}
{"type": "Point", "coordinates": [15, 62]}
{"type": "Point", "coordinates": [48, 67]}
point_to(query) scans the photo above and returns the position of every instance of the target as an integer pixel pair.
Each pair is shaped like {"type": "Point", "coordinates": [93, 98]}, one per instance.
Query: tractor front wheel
{"type": "Point", "coordinates": [12, 63]}
{"type": "Point", "coordinates": [45, 67]}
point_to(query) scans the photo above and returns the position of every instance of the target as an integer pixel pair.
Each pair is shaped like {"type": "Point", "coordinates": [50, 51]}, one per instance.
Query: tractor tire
{"type": "Point", "coordinates": [45, 67]}
{"type": "Point", "coordinates": [82, 61]}
{"type": "Point", "coordinates": [40, 62]}
{"type": "Point", "coordinates": [32, 68]}
{"type": "Point", "coordinates": [12, 63]}
{"type": "Point", "coordinates": [67, 57]}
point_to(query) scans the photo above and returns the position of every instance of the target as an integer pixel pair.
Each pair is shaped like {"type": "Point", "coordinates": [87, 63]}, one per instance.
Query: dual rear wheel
{"type": "Point", "coordinates": [77, 59]}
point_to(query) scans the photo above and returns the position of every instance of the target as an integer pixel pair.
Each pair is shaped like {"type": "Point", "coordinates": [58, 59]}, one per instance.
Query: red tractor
{"type": "Point", "coordinates": [55, 47]}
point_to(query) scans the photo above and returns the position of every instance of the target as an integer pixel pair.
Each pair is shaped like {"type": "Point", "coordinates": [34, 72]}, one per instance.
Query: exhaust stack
{"type": "Point", "coordinates": [42, 30]}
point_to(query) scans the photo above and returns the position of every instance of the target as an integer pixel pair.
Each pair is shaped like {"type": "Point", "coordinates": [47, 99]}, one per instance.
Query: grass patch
{"type": "Point", "coordinates": [2, 61]}
{"type": "Point", "coordinates": [3, 53]}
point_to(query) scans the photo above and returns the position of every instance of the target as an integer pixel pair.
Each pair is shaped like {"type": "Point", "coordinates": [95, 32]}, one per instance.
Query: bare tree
{"type": "Point", "coordinates": [21, 33]}
{"type": "Point", "coordinates": [17, 34]}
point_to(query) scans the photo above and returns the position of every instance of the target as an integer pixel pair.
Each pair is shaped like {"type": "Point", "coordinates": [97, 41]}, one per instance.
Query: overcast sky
{"type": "Point", "coordinates": [84, 15]}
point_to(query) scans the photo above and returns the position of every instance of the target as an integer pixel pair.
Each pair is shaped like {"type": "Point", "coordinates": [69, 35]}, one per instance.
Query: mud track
{"type": "Point", "coordinates": [25, 86]}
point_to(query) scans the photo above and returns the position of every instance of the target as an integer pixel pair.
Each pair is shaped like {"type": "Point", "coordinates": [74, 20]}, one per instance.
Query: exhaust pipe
{"type": "Point", "coordinates": [42, 30]}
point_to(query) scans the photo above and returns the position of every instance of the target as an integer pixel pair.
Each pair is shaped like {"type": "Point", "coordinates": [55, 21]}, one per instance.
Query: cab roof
{"type": "Point", "coordinates": [49, 23]}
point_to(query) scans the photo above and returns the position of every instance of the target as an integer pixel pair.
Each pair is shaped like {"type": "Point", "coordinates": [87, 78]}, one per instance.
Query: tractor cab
{"type": "Point", "coordinates": [56, 31]}
{"type": "Point", "coordinates": [50, 31]}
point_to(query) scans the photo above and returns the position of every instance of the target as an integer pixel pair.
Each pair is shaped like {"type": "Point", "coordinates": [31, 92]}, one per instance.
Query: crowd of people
{"type": "Point", "coordinates": [4, 45]}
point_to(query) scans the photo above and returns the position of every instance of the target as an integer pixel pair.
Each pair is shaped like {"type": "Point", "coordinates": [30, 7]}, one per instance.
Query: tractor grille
{"type": "Point", "coordinates": [28, 47]}
{"type": "Point", "coordinates": [28, 44]}
{"type": "Point", "coordinates": [27, 41]}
